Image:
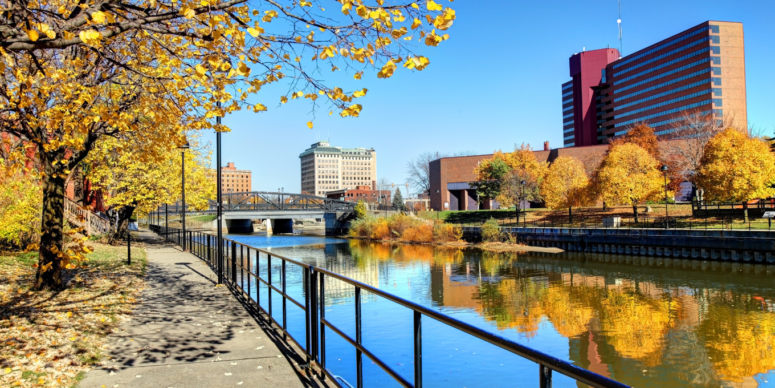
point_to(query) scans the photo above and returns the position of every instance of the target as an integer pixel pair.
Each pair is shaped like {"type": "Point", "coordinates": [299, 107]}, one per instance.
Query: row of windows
{"type": "Point", "coordinates": [666, 83]}
{"type": "Point", "coordinates": [660, 47]}
{"type": "Point", "coordinates": [665, 55]}
{"type": "Point", "coordinates": [567, 101]}
{"type": "Point", "coordinates": [663, 65]}
{"type": "Point", "coordinates": [718, 112]}
{"type": "Point", "coordinates": [568, 109]}
{"type": "Point", "coordinates": [663, 75]}
{"type": "Point", "coordinates": [666, 112]}
{"type": "Point", "coordinates": [568, 137]}
{"type": "Point", "coordinates": [570, 144]}
{"type": "Point", "coordinates": [567, 130]}
{"type": "Point", "coordinates": [663, 103]}
{"type": "Point", "coordinates": [567, 86]}
{"type": "Point", "coordinates": [567, 116]}
{"type": "Point", "coordinates": [567, 94]}
{"type": "Point", "coordinates": [669, 92]}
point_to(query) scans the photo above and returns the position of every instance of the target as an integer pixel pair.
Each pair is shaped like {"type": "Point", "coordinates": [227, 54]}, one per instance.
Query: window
{"type": "Point", "coordinates": [602, 75]}
{"type": "Point", "coordinates": [568, 130]}
{"type": "Point", "coordinates": [568, 137]}
{"type": "Point", "coordinates": [567, 86]}
{"type": "Point", "coordinates": [717, 102]}
{"type": "Point", "coordinates": [567, 94]}
{"type": "Point", "coordinates": [670, 82]}
{"type": "Point", "coordinates": [660, 66]}
{"type": "Point", "coordinates": [657, 58]}
{"type": "Point", "coordinates": [665, 74]}
{"type": "Point", "coordinates": [716, 91]}
{"type": "Point", "coordinates": [666, 112]}
{"type": "Point", "coordinates": [715, 50]}
{"type": "Point", "coordinates": [716, 81]}
{"type": "Point", "coordinates": [716, 70]}
{"type": "Point", "coordinates": [570, 144]}
{"type": "Point", "coordinates": [714, 39]}
{"type": "Point", "coordinates": [655, 96]}
{"type": "Point", "coordinates": [660, 47]}
{"type": "Point", "coordinates": [567, 116]}
{"type": "Point", "coordinates": [715, 60]}
{"type": "Point", "coordinates": [714, 29]}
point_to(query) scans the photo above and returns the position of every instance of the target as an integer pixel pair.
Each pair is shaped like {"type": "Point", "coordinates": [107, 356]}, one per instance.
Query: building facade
{"type": "Point", "coordinates": [698, 71]}
{"type": "Point", "coordinates": [326, 168]}
{"type": "Point", "coordinates": [235, 181]}
{"type": "Point", "coordinates": [364, 193]}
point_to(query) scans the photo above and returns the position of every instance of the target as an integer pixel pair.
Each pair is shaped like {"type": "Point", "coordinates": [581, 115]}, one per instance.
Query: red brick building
{"type": "Point", "coordinates": [365, 193]}
{"type": "Point", "coordinates": [450, 177]}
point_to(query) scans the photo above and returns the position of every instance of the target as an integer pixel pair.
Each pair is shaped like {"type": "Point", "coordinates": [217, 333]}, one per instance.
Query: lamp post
{"type": "Point", "coordinates": [664, 172]}
{"type": "Point", "coordinates": [519, 200]}
{"type": "Point", "coordinates": [183, 149]}
{"type": "Point", "coordinates": [440, 205]}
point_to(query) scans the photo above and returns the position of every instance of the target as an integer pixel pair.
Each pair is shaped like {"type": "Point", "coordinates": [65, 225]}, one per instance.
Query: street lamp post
{"type": "Point", "coordinates": [183, 149]}
{"type": "Point", "coordinates": [519, 201]}
{"type": "Point", "coordinates": [664, 172]}
{"type": "Point", "coordinates": [219, 197]}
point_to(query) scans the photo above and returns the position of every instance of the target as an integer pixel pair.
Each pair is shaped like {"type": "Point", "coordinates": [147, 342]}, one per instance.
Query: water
{"type": "Point", "coordinates": [642, 321]}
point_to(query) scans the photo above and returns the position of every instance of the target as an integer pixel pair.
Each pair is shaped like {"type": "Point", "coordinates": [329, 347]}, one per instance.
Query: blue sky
{"type": "Point", "coordinates": [495, 83]}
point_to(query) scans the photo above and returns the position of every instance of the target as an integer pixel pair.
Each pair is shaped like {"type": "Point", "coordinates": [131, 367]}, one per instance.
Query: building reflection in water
{"type": "Point", "coordinates": [643, 321]}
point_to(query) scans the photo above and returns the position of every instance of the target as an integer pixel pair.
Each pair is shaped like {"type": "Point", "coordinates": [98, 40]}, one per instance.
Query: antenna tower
{"type": "Point", "coordinates": [619, 23]}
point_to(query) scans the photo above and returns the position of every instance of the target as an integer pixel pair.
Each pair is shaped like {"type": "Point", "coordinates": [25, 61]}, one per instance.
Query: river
{"type": "Point", "coordinates": [646, 322]}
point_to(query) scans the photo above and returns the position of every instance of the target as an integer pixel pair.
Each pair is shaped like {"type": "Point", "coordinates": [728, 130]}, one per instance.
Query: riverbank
{"type": "Point", "coordinates": [52, 338]}
{"type": "Point", "coordinates": [485, 246]}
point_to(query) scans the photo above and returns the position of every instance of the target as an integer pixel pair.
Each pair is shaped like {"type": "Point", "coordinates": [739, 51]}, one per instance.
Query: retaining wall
{"type": "Point", "coordinates": [680, 243]}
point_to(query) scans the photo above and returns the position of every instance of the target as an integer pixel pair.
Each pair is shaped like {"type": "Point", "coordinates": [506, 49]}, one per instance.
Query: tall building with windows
{"type": "Point", "coordinates": [700, 71]}
{"type": "Point", "coordinates": [327, 168]}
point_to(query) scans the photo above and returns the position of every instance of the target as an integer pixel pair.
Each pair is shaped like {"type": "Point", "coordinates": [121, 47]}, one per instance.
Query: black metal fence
{"type": "Point", "coordinates": [237, 268]}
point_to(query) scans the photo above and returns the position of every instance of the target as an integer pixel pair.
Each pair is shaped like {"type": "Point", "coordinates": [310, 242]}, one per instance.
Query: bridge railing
{"type": "Point", "coordinates": [241, 272]}
{"type": "Point", "coordinates": [271, 201]}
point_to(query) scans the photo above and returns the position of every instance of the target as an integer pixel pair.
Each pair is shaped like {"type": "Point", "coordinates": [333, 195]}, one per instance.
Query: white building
{"type": "Point", "coordinates": [326, 168]}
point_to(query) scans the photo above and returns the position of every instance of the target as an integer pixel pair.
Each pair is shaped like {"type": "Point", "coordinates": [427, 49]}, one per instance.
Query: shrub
{"type": "Point", "coordinates": [21, 200]}
{"type": "Point", "coordinates": [399, 223]}
{"type": "Point", "coordinates": [491, 232]}
{"type": "Point", "coordinates": [380, 231]}
{"type": "Point", "coordinates": [360, 210]}
{"type": "Point", "coordinates": [422, 233]}
{"type": "Point", "coordinates": [447, 232]}
{"type": "Point", "coordinates": [361, 227]}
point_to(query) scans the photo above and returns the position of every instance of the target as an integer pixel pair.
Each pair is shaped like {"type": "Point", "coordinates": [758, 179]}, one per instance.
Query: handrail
{"type": "Point", "coordinates": [82, 217]}
{"type": "Point", "coordinates": [203, 246]}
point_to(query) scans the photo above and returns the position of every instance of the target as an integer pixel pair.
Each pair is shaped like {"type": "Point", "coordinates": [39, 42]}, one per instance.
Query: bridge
{"type": "Point", "coordinates": [277, 208]}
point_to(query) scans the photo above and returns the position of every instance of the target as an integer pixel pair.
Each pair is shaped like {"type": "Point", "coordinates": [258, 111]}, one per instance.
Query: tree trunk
{"type": "Point", "coordinates": [635, 211]}
{"type": "Point", "coordinates": [124, 215]}
{"type": "Point", "coordinates": [570, 214]}
{"type": "Point", "coordinates": [49, 274]}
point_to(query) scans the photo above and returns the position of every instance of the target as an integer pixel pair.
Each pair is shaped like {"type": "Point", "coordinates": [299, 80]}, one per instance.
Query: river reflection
{"type": "Point", "coordinates": [642, 321]}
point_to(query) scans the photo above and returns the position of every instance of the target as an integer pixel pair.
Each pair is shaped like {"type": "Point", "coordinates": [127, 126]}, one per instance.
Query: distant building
{"type": "Point", "coordinates": [656, 85]}
{"type": "Point", "coordinates": [325, 168]}
{"type": "Point", "coordinates": [235, 181]}
{"type": "Point", "coordinates": [365, 193]}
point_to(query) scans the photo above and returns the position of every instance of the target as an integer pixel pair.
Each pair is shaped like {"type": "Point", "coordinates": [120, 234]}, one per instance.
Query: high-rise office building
{"type": "Point", "coordinates": [700, 71]}
{"type": "Point", "coordinates": [327, 168]}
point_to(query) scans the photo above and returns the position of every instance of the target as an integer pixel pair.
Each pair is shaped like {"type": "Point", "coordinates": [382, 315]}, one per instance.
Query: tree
{"type": "Point", "coordinates": [642, 135]}
{"type": "Point", "coordinates": [360, 209]}
{"type": "Point", "coordinates": [693, 130]}
{"type": "Point", "coordinates": [398, 200]}
{"type": "Point", "coordinates": [629, 175]}
{"type": "Point", "coordinates": [74, 74]}
{"type": "Point", "coordinates": [500, 177]}
{"type": "Point", "coordinates": [419, 170]}
{"type": "Point", "coordinates": [145, 176]}
{"type": "Point", "coordinates": [736, 167]}
{"type": "Point", "coordinates": [566, 184]}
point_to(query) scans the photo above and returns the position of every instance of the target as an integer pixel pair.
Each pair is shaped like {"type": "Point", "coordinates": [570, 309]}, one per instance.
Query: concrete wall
{"type": "Point", "coordinates": [698, 244]}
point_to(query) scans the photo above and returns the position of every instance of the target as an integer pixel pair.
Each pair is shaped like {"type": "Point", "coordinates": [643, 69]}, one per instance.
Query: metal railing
{"type": "Point", "coordinates": [264, 200]}
{"type": "Point", "coordinates": [238, 270]}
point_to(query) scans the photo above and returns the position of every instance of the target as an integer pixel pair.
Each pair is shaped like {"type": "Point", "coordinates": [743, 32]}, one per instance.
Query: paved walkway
{"type": "Point", "coordinates": [188, 333]}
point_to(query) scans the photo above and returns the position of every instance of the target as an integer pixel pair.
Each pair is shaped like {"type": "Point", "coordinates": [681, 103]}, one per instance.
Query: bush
{"type": "Point", "coordinates": [422, 233]}
{"type": "Point", "coordinates": [381, 230]}
{"type": "Point", "coordinates": [361, 228]}
{"type": "Point", "coordinates": [399, 223]}
{"type": "Point", "coordinates": [491, 232]}
{"type": "Point", "coordinates": [21, 201]}
{"type": "Point", "coordinates": [447, 233]}
{"type": "Point", "coordinates": [360, 210]}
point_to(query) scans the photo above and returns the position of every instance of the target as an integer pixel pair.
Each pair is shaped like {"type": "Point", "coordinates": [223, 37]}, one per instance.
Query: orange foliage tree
{"type": "Point", "coordinates": [629, 175]}
{"type": "Point", "coordinates": [736, 167]}
{"type": "Point", "coordinates": [566, 185]}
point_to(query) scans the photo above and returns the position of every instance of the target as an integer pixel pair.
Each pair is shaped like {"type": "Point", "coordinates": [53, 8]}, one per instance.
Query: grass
{"type": "Point", "coordinates": [589, 217]}
{"type": "Point", "coordinates": [52, 338]}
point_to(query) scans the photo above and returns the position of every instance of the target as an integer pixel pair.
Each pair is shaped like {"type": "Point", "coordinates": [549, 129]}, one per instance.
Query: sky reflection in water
{"type": "Point", "coordinates": [642, 321]}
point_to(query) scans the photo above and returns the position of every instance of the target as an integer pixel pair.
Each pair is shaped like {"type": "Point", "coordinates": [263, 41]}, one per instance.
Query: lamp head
{"type": "Point", "coordinates": [523, 183]}
{"type": "Point", "coordinates": [665, 168]}
{"type": "Point", "coordinates": [184, 146]}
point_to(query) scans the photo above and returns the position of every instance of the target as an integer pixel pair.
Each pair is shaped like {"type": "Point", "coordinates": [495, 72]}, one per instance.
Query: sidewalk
{"type": "Point", "coordinates": [185, 332]}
